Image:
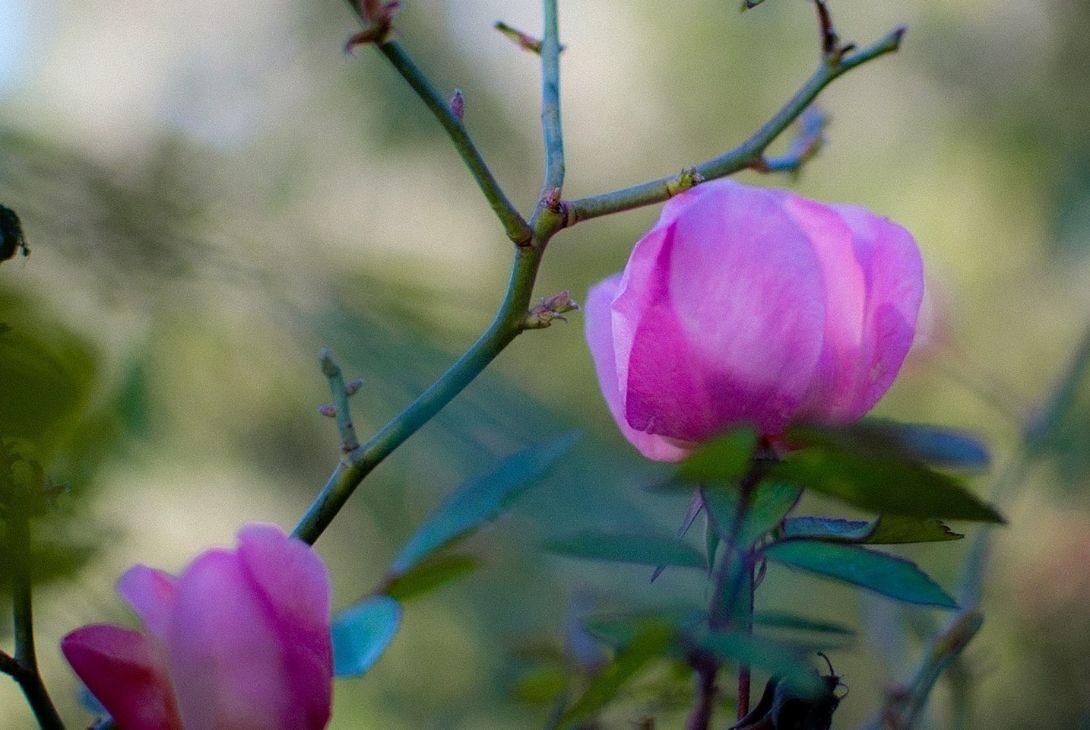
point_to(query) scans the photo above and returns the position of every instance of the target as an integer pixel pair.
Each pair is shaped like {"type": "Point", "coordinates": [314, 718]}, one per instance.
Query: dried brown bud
{"type": "Point", "coordinates": [378, 19]}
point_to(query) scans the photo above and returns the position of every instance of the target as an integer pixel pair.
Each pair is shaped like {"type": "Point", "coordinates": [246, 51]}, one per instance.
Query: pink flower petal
{"type": "Point", "coordinates": [600, 339]}
{"type": "Point", "coordinates": [893, 271]}
{"type": "Point", "coordinates": [227, 659]}
{"type": "Point", "coordinates": [116, 665]}
{"type": "Point", "coordinates": [720, 317]}
{"type": "Point", "coordinates": [150, 593]}
{"type": "Point", "coordinates": [295, 585]}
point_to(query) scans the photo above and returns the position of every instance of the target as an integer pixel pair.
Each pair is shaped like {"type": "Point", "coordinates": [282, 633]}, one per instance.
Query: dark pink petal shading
{"type": "Point", "coordinates": [724, 310]}
{"type": "Point", "coordinates": [294, 584]}
{"type": "Point", "coordinates": [116, 665]}
{"type": "Point", "coordinates": [600, 340]}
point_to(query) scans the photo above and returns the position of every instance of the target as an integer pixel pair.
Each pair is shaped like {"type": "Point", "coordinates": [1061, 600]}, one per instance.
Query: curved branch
{"type": "Point", "coordinates": [513, 223]}
{"type": "Point", "coordinates": [748, 154]}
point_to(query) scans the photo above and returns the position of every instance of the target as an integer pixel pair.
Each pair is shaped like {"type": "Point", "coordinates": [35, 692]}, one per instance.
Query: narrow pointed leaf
{"type": "Point", "coordinates": [889, 575]}
{"type": "Point", "coordinates": [720, 460]}
{"type": "Point", "coordinates": [876, 478]}
{"type": "Point", "coordinates": [696, 506]}
{"type": "Point", "coordinates": [886, 530]}
{"type": "Point", "coordinates": [430, 574]}
{"type": "Point", "coordinates": [768, 505]}
{"type": "Point", "coordinates": [935, 445]}
{"type": "Point", "coordinates": [362, 633]}
{"type": "Point", "coordinates": [650, 643]}
{"type": "Point", "coordinates": [896, 530]}
{"type": "Point", "coordinates": [479, 501]}
{"type": "Point", "coordinates": [778, 620]}
{"type": "Point", "coordinates": [777, 658]}
{"type": "Point", "coordinates": [639, 549]}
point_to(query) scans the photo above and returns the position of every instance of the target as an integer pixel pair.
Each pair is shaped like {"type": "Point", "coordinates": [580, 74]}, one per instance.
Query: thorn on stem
{"type": "Point", "coordinates": [352, 386]}
{"type": "Point", "coordinates": [328, 410]}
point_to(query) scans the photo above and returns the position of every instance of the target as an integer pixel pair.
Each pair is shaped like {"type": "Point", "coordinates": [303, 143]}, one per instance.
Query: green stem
{"type": "Point", "coordinates": [550, 101]}
{"type": "Point", "coordinates": [506, 325]}
{"type": "Point", "coordinates": [339, 391]}
{"type": "Point", "coordinates": [513, 223]}
{"type": "Point", "coordinates": [748, 154]}
{"type": "Point", "coordinates": [26, 658]}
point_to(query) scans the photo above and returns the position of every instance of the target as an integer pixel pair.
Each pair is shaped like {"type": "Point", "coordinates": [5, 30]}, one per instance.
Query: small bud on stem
{"type": "Point", "coordinates": [378, 20]}
{"type": "Point", "coordinates": [458, 104]}
{"type": "Point", "coordinates": [550, 308]}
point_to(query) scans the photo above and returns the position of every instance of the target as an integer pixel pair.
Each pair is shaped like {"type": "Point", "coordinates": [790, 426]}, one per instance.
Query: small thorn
{"type": "Point", "coordinates": [352, 386]}
{"type": "Point", "coordinates": [327, 410]}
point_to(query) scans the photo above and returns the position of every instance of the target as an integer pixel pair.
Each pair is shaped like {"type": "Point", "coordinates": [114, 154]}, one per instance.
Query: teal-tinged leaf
{"type": "Point", "coordinates": [711, 542]}
{"type": "Point", "coordinates": [877, 478]}
{"type": "Point", "coordinates": [361, 633]}
{"type": "Point", "coordinates": [640, 549]}
{"type": "Point", "coordinates": [429, 574]}
{"type": "Point", "coordinates": [935, 445]}
{"type": "Point", "coordinates": [651, 642]}
{"type": "Point", "coordinates": [780, 620]}
{"type": "Point", "coordinates": [768, 504]}
{"type": "Point", "coordinates": [479, 501]}
{"type": "Point", "coordinates": [778, 658]}
{"type": "Point", "coordinates": [889, 575]}
{"type": "Point", "coordinates": [721, 460]}
{"type": "Point", "coordinates": [896, 530]}
{"type": "Point", "coordinates": [696, 507]}
{"type": "Point", "coordinates": [832, 529]}
{"type": "Point", "coordinates": [886, 530]}
{"type": "Point", "coordinates": [619, 630]}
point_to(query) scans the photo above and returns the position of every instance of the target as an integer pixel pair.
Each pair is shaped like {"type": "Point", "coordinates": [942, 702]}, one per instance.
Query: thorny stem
{"type": "Point", "coordinates": [531, 238]}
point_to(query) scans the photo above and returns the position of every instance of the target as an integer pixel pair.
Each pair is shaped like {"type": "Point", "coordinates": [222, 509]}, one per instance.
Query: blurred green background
{"type": "Point", "coordinates": [212, 190]}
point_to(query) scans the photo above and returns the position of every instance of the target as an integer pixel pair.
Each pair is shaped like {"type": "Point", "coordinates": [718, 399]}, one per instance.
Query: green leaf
{"type": "Point", "coordinates": [431, 573]}
{"type": "Point", "coordinates": [362, 633]}
{"type": "Point", "coordinates": [540, 685]}
{"type": "Point", "coordinates": [768, 504]}
{"type": "Point", "coordinates": [650, 643]}
{"type": "Point", "coordinates": [779, 620]}
{"type": "Point", "coordinates": [721, 460]}
{"type": "Point", "coordinates": [619, 630]}
{"type": "Point", "coordinates": [935, 445]}
{"type": "Point", "coordinates": [897, 529]}
{"type": "Point", "coordinates": [639, 549]}
{"type": "Point", "coordinates": [886, 530]}
{"type": "Point", "coordinates": [877, 478]}
{"type": "Point", "coordinates": [882, 573]}
{"type": "Point", "coordinates": [777, 658]}
{"type": "Point", "coordinates": [479, 501]}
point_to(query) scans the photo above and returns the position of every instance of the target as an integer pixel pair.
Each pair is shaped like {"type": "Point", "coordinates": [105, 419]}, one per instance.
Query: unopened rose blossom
{"type": "Point", "coordinates": [751, 306]}
{"type": "Point", "coordinates": [239, 640]}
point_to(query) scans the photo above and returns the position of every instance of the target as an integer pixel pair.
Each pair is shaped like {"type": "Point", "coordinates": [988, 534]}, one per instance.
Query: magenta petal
{"type": "Point", "coordinates": [116, 665]}
{"type": "Point", "coordinates": [150, 593]}
{"type": "Point", "coordinates": [893, 271]}
{"type": "Point", "coordinates": [599, 332]}
{"type": "Point", "coordinates": [226, 652]}
{"type": "Point", "coordinates": [295, 585]}
{"type": "Point", "coordinates": [724, 308]}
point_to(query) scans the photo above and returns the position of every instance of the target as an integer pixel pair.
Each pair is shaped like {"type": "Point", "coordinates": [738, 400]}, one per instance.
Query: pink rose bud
{"type": "Point", "coordinates": [240, 639]}
{"type": "Point", "coordinates": [749, 306]}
